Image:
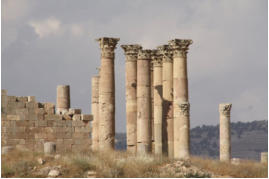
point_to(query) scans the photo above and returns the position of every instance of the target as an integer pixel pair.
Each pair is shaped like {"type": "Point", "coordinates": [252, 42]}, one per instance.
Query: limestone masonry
{"type": "Point", "coordinates": [157, 108]}
{"type": "Point", "coordinates": [27, 124]}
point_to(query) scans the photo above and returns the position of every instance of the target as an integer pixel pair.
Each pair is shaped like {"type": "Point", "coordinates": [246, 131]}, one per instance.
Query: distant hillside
{"type": "Point", "coordinates": [248, 140]}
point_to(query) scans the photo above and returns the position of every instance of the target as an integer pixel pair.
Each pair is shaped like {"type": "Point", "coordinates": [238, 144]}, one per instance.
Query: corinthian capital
{"type": "Point", "coordinates": [167, 53]}
{"type": "Point", "coordinates": [225, 109]}
{"type": "Point", "coordinates": [156, 58]}
{"type": "Point", "coordinates": [107, 46]}
{"type": "Point", "coordinates": [144, 54]}
{"type": "Point", "coordinates": [184, 108]}
{"type": "Point", "coordinates": [180, 47]}
{"type": "Point", "coordinates": [131, 51]}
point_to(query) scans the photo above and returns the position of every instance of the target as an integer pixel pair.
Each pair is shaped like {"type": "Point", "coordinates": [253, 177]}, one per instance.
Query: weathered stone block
{"type": "Point", "coordinates": [3, 117]}
{"type": "Point", "coordinates": [68, 123]}
{"type": "Point", "coordinates": [86, 117]}
{"type": "Point", "coordinates": [49, 108]}
{"type": "Point", "coordinates": [13, 117]}
{"type": "Point", "coordinates": [74, 111]}
{"type": "Point", "coordinates": [41, 123]}
{"type": "Point", "coordinates": [22, 113]}
{"type": "Point", "coordinates": [23, 99]}
{"type": "Point", "coordinates": [6, 149]}
{"type": "Point", "coordinates": [67, 117]}
{"type": "Point", "coordinates": [77, 123]}
{"type": "Point", "coordinates": [68, 141]}
{"type": "Point", "coordinates": [20, 104]}
{"type": "Point", "coordinates": [81, 135]}
{"type": "Point", "coordinates": [53, 117]}
{"type": "Point", "coordinates": [40, 113]}
{"type": "Point", "coordinates": [11, 98]}
{"type": "Point", "coordinates": [59, 123]}
{"type": "Point", "coordinates": [81, 129]}
{"type": "Point", "coordinates": [25, 123]}
{"type": "Point", "coordinates": [76, 117]}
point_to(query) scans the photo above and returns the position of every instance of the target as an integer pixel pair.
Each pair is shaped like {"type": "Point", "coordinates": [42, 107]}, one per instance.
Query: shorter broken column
{"type": "Point", "coordinates": [224, 133]}
{"type": "Point", "coordinates": [264, 157]}
{"type": "Point", "coordinates": [63, 99]}
{"type": "Point", "coordinates": [49, 148]}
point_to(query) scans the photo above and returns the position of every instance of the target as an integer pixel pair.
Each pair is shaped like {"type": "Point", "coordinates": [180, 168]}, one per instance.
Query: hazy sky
{"type": "Point", "coordinates": [47, 43]}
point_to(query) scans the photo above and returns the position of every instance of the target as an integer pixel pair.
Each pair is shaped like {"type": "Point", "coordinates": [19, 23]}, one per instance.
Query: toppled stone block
{"type": "Point", "coordinates": [86, 117]}
{"type": "Point", "coordinates": [74, 111]}
{"type": "Point", "coordinates": [67, 117]}
{"type": "Point", "coordinates": [76, 117]}
{"type": "Point", "coordinates": [41, 161]}
{"type": "Point", "coordinates": [54, 173]}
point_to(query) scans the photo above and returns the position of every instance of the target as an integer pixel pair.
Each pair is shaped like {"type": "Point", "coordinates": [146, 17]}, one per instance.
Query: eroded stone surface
{"type": "Point", "coordinates": [225, 133]}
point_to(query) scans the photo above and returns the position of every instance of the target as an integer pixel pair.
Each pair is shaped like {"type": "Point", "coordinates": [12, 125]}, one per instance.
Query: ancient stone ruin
{"type": "Point", "coordinates": [30, 125]}
{"type": "Point", "coordinates": [157, 108]}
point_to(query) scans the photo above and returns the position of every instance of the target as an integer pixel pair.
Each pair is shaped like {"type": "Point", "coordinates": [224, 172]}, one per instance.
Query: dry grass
{"type": "Point", "coordinates": [116, 164]}
{"type": "Point", "coordinates": [246, 168]}
{"type": "Point", "coordinates": [113, 164]}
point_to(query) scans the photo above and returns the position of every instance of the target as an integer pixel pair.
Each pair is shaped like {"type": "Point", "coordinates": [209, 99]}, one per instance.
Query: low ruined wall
{"type": "Point", "coordinates": [27, 124]}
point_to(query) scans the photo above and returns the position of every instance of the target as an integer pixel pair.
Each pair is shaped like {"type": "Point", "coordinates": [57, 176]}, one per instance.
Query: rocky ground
{"type": "Point", "coordinates": [121, 164]}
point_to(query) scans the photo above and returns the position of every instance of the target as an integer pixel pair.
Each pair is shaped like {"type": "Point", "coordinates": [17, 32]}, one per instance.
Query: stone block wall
{"type": "Point", "coordinates": [27, 124]}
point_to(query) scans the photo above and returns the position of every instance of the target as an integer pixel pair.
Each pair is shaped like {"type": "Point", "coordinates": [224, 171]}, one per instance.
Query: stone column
{"type": "Point", "coordinates": [264, 157]}
{"type": "Point", "coordinates": [63, 99]}
{"type": "Point", "coordinates": [143, 102]}
{"type": "Point", "coordinates": [224, 133]}
{"type": "Point", "coordinates": [152, 104]}
{"type": "Point", "coordinates": [180, 92]}
{"type": "Point", "coordinates": [157, 101]}
{"type": "Point", "coordinates": [131, 52]}
{"type": "Point", "coordinates": [107, 94]}
{"type": "Point", "coordinates": [167, 82]}
{"type": "Point", "coordinates": [181, 131]}
{"type": "Point", "coordinates": [95, 112]}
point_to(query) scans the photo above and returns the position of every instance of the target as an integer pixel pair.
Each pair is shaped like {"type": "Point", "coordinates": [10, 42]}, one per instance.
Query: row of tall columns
{"type": "Point", "coordinates": [157, 104]}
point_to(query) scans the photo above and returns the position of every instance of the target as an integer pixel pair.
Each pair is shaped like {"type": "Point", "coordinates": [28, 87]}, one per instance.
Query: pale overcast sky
{"type": "Point", "coordinates": [46, 43]}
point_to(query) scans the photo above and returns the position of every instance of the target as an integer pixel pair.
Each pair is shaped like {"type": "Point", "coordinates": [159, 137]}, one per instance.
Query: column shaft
{"type": "Point", "coordinates": [131, 52]}
{"type": "Point", "coordinates": [157, 101]}
{"type": "Point", "coordinates": [167, 83]}
{"type": "Point", "coordinates": [107, 94]}
{"type": "Point", "coordinates": [144, 133]}
{"type": "Point", "coordinates": [63, 99]}
{"type": "Point", "coordinates": [225, 135]}
{"type": "Point", "coordinates": [95, 112]}
{"type": "Point", "coordinates": [180, 99]}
